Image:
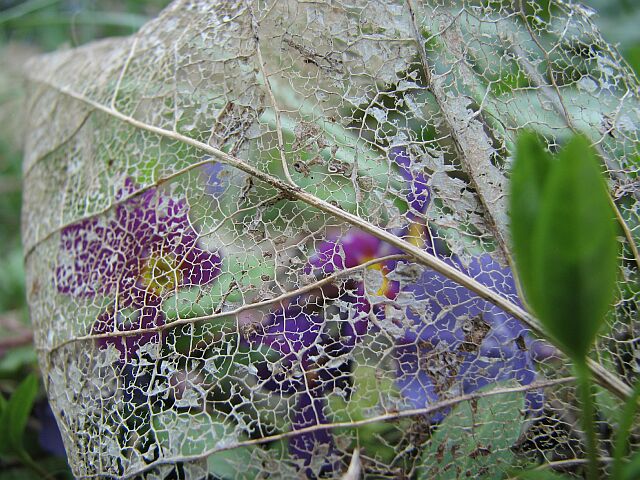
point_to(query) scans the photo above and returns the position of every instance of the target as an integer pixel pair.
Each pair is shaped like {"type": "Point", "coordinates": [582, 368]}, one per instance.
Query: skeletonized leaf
{"type": "Point", "coordinates": [271, 228]}
{"type": "Point", "coordinates": [475, 440]}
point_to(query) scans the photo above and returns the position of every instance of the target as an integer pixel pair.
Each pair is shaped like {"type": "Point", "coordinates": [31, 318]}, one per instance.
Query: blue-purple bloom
{"type": "Point", "coordinates": [312, 364]}
{"type": "Point", "coordinates": [459, 342]}
{"type": "Point", "coordinates": [419, 195]}
{"type": "Point", "coordinates": [216, 178]}
{"type": "Point", "coordinates": [144, 253]}
{"type": "Point", "coordinates": [49, 436]}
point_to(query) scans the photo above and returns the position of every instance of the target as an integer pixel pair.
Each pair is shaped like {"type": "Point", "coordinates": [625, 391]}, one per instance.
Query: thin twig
{"type": "Point", "coordinates": [6, 344]}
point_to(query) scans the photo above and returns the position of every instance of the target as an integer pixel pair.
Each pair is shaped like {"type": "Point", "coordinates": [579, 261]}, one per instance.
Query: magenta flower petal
{"type": "Point", "coordinates": [350, 250]}
{"type": "Point", "coordinates": [93, 265]}
{"type": "Point", "coordinates": [147, 250]}
{"type": "Point", "coordinates": [199, 267]}
{"type": "Point", "coordinates": [359, 247]}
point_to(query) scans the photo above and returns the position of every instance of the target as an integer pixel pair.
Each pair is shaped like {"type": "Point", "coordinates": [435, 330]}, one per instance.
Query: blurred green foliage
{"type": "Point", "coordinates": [618, 21]}
{"type": "Point", "coordinates": [564, 239]}
{"type": "Point", "coordinates": [50, 24]}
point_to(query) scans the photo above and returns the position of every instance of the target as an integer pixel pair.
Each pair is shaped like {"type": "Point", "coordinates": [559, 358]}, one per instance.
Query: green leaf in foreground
{"type": "Point", "coordinates": [574, 250]}
{"type": "Point", "coordinates": [528, 179]}
{"type": "Point", "coordinates": [17, 358]}
{"type": "Point", "coordinates": [15, 415]}
{"type": "Point", "coordinates": [631, 470]}
{"type": "Point", "coordinates": [475, 439]}
{"type": "Point", "coordinates": [564, 238]}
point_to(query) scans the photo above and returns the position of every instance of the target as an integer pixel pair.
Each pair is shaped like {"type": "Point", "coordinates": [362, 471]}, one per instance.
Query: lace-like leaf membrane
{"type": "Point", "coordinates": [261, 235]}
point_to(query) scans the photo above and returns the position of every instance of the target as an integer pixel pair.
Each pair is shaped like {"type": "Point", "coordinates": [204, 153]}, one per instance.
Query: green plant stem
{"type": "Point", "coordinates": [585, 392]}
{"type": "Point", "coordinates": [622, 435]}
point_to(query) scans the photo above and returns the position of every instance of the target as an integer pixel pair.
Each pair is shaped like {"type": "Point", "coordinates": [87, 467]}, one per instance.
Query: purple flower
{"type": "Point", "coordinates": [309, 412]}
{"type": "Point", "coordinates": [215, 181]}
{"type": "Point", "coordinates": [418, 196]}
{"type": "Point", "coordinates": [354, 248]}
{"type": "Point", "coordinates": [141, 255]}
{"type": "Point", "coordinates": [312, 362]}
{"type": "Point", "coordinates": [306, 343]}
{"type": "Point", "coordinates": [459, 342]}
{"type": "Point", "coordinates": [49, 436]}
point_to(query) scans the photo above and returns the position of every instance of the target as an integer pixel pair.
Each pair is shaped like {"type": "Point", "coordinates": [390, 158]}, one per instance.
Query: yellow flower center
{"type": "Point", "coordinates": [385, 282]}
{"type": "Point", "coordinates": [161, 274]}
{"type": "Point", "coordinates": [415, 234]}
